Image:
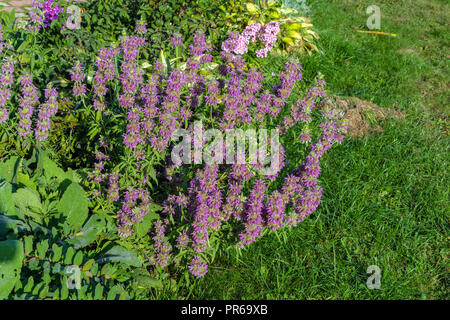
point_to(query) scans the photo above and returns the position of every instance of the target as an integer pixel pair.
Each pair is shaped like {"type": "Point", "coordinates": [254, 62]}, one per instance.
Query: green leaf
{"type": "Point", "coordinates": [11, 257]}
{"type": "Point", "coordinates": [145, 280]}
{"type": "Point", "coordinates": [69, 255]}
{"type": "Point", "coordinates": [57, 268]}
{"type": "Point", "coordinates": [29, 203]}
{"type": "Point", "coordinates": [162, 59]}
{"type": "Point", "coordinates": [87, 266]}
{"type": "Point", "coordinates": [294, 34]}
{"type": "Point", "coordinates": [120, 254]}
{"type": "Point", "coordinates": [6, 200]}
{"type": "Point", "coordinates": [88, 233]}
{"type": "Point", "coordinates": [51, 170]}
{"type": "Point", "coordinates": [64, 289]}
{"type": "Point", "coordinates": [37, 288]}
{"type": "Point", "coordinates": [8, 224]}
{"type": "Point", "coordinates": [73, 176]}
{"type": "Point", "coordinates": [29, 286]}
{"type": "Point", "coordinates": [251, 8]}
{"type": "Point", "coordinates": [28, 241]}
{"type": "Point", "coordinates": [24, 179]}
{"type": "Point", "coordinates": [115, 292]}
{"type": "Point", "coordinates": [98, 292]}
{"type": "Point", "coordinates": [74, 205]}
{"type": "Point", "coordinates": [42, 248]}
{"type": "Point", "coordinates": [56, 294]}
{"type": "Point", "coordinates": [78, 259]}
{"type": "Point", "coordinates": [8, 169]}
{"type": "Point", "coordinates": [57, 252]}
{"type": "Point", "coordinates": [144, 226]}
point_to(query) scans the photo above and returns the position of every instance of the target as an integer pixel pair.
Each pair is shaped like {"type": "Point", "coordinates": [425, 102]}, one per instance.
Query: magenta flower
{"type": "Point", "coordinates": [198, 267]}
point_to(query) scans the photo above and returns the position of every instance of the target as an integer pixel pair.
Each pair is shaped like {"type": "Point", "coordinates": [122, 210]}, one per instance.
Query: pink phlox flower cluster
{"type": "Point", "coordinates": [267, 34]}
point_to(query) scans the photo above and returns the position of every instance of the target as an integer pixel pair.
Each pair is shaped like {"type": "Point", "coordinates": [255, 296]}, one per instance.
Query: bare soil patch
{"type": "Point", "coordinates": [362, 117]}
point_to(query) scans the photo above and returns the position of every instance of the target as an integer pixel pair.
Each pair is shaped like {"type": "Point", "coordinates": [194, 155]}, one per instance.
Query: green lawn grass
{"type": "Point", "coordinates": [385, 197]}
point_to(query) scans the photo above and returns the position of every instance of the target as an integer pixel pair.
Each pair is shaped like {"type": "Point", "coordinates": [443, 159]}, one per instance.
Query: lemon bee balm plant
{"type": "Point", "coordinates": [162, 219]}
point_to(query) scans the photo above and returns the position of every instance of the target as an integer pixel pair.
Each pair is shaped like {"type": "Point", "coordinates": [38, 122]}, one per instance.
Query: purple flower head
{"type": "Point", "coordinates": [183, 240]}
{"type": "Point", "coordinates": [141, 28]}
{"type": "Point", "coordinates": [4, 114]}
{"type": "Point", "coordinates": [176, 40]}
{"type": "Point", "coordinates": [198, 267]}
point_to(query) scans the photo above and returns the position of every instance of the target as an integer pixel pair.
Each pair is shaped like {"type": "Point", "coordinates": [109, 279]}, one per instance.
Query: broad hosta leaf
{"type": "Point", "coordinates": [74, 205]}
{"type": "Point", "coordinates": [120, 254]}
{"type": "Point", "coordinates": [251, 8]}
{"type": "Point", "coordinates": [288, 40]}
{"type": "Point", "coordinates": [11, 257]}
{"type": "Point", "coordinates": [294, 34]}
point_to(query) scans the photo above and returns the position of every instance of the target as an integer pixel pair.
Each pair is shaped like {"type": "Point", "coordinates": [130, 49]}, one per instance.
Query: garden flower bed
{"type": "Point", "coordinates": [93, 173]}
